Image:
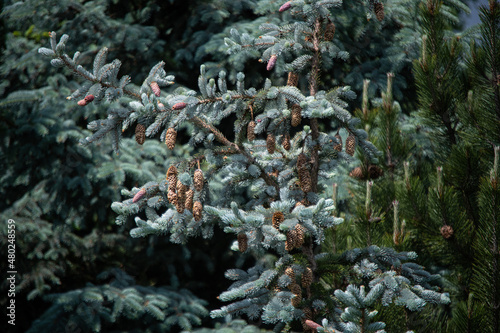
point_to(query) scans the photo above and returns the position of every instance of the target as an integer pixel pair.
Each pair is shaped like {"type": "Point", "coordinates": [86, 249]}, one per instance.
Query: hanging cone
{"type": "Point", "coordinates": [338, 146]}
{"type": "Point", "coordinates": [197, 211]}
{"type": "Point", "coordinates": [188, 204]}
{"type": "Point", "coordinates": [350, 145]}
{"type": "Point", "coordinates": [198, 180]}
{"type": "Point", "coordinates": [286, 142]}
{"type": "Point", "coordinates": [329, 31]}
{"type": "Point", "coordinates": [271, 143]}
{"type": "Point", "coordinates": [181, 191]}
{"type": "Point", "coordinates": [308, 316]}
{"type": "Point", "coordinates": [297, 291]}
{"type": "Point", "coordinates": [278, 218]}
{"type": "Point", "coordinates": [290, 240]}
{"type": "Point", "coordinates": [172, 197]}
{"type": "Point", "coordinates": [305, 180]}
{"type": "Point", "coordinates": [300, 232]}
{"type": "Point", "coordinates": [289, 271]}
{"type": "Point", "coordinates": [170, 138]}
{"type": "Point", "coordinates": [140, 133]}
{"type": "Point", "coordinates": [251, 130]}
{"type": "Point", "coordinates": [172, 178]}
{"type": "Point", "coordinates": [307, 277]}
{"type": "Point", "coordinates": [293, 79]}
{"type": "Point", "coordinates": [379, 10]}
{"type": "Point", "coordinates": [242, 242]}
{"type": "Point", "coordinates": [296, 115]}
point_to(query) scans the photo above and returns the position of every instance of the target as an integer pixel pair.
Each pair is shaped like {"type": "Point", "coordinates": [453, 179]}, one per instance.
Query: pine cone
{"type": "Point", "coordinates": [278, 218]}
{"type": "Point", "coordinates": [197, 211]}
{"type": "Point", "coordinates": [172, 197]}
{"type": "Point", "coordinates": [350, 145]}
{"type": "Point", "coordinates": [285, 6]}
{"type": "Point", "coordinates": [300, 232]}
{"type": "Point", "coordinates": [297, 291]}
{"type": "Point", "coordinates": [242, 242]}
{"type": "Point", "coordinates": [156, 88]}
{"type": "Point", "coordinates": [172, 178]}
{"type": "Point", "coordinates": [305, 180]}
{"type": "Point", "coordinates": [179, 106]}
{"type": "Point", "coordinates": [293, 79]}
{"type": "Point", "coordinates": [139, 195]}
{"type": "Point", "coordinates": [296, 115]}
{"type": "Point", "coordinates": [86, 100]}
{"type": "Point", "coordinates": [379, 10]}
{"type": "Point", "coordinates": [446, 231]}
{"type": "Point", "coordinates": [172, 172]}
{"type": "Point", "coordinates": [272, 62]}
{"type": "Point", "coordinates": [271, 143]}
{"type": "Point", "coordinates": [375, 171]}
{"type": "Point", "coordinates": [290, 240]}
{"type": "Point", "coordinates": [251, 130]}
{"type": "Point", "coordinates": [198, 180]}
{"type": "Point", "coordinates": [357, 173]}
{"type": "Point", "coordinates": [140, 133]}
{"type": "Point", "coordinates": [307, 277]}
{"type": "Point", "coordinates": [301, 161]}
{"type": "Point", "coordinates": [170, 138]}
{"type": "Point", "coordinates": [306, 319]}
{"type": "Point", "coordinates": [329, 31]}
{"type": "Point", "coordinates": [188, 204]}
{"type": "Point", "coordinates": [181, 192]}
{"type": "Point", "coordinates": [179, 206]}
{"type": "Point", "coordinates": [286, 142]}
{"type": "Point", "coordinates": [338, 146]}
{"type": "Point", "coordinates": [289, 271]}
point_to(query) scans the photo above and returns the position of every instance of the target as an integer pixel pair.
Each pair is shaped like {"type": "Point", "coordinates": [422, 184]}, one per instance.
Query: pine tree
{"type": "Point", "coordinates": [285, 187]}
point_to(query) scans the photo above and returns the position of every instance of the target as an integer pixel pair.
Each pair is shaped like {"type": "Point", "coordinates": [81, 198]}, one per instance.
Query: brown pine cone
{"type": "Point", "coordinates": [140, 133]}
{"type": "Point", "coordinates": [251, 131]}
{"type": "Point", "coordinates": [293, 79]}
{"type": "Point", "coordinates": [350, 145]}
{"type": "Point", "coordinates": [296, 115]}
{"type": "Point", "coordinates": [170, 138]}
{"type": "Point", "coordinates": [357, 173]}
{"type": "Point", "coordinates": [329, 31]}
{"type": "Point", "coordinates": [197, 211]}
{"type": "Point", "coordinates": [379, 10]}
{"type": "Point", "coordinates": [271, 143]}
{"type": "Point", "coordinates": [198, 180]}
{"type": "Point", "coordinates": [172, 197]}
{"type": "Point", "coordinates": [242, 241]}
{"type": "Point", "coordinates": [188, 204]}
{"type": "Point", "coordinates": [307, 277]}
{"type": "Point", "coordinates": [305, 180]}
{"type": "Point", "coordinates": [278, 218]}
{"type": "Point", "coordinates": [300, 231]}
{"type": "Point", "coordinates": [286, 142]}
{"type": "Point", "coordinates": [289, 271]}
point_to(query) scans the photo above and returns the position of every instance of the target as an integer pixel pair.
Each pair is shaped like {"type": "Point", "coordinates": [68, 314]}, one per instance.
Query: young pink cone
{"type": "Point", "coordinates": [271, 62]}
{"type": "Point", "coordinates": [285, 6]}
{"type": "Point", "coordinates": [139, 195]}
